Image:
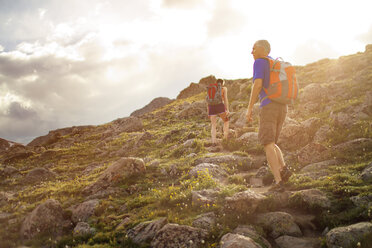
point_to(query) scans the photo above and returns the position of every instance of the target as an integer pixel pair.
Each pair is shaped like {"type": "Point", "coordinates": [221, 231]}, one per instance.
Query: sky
{"type": "Point", "coordinates": [69, 63]}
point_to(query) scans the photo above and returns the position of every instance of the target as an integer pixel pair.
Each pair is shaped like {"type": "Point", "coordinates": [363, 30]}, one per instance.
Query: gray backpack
{"type": "Point", "coordinates": [214, 94]}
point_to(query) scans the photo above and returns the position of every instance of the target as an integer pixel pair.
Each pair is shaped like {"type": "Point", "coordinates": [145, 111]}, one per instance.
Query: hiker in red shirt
{"type": "Point", "coordinates": [218, 104]}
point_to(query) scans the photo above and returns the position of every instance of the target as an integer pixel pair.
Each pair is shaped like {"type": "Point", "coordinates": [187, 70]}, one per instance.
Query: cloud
{"type": "Point", "coordinates": [181, 3]}
{"type": "Point", "coordinates": [366, 37]}
{"type": "Point", "coordinates": [225, 20]}
{"type": "Point", "coordinates": [17, 111]}
{"type": "Point", "coordinates": [313, 50]}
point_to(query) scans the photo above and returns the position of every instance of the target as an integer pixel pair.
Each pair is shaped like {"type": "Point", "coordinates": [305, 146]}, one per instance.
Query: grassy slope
{"type": "Point", "coordinates": [156, 194]}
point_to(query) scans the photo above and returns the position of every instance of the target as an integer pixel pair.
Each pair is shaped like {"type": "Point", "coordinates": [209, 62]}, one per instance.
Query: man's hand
{"type": "Point", "coordinates": [249, 115]}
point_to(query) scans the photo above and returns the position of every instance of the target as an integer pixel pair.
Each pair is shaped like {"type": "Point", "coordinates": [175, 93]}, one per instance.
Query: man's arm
{"type": "Point", "coordinates": [257, 86]}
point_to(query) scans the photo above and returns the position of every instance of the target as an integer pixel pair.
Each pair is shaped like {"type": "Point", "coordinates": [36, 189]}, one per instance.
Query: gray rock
{"type": "Point", "coordinates": [360, 201]}
{"type": "Point", "coordinates": [349, 236]}
{"type": "Point", "coordinates": [313, 198]}
{"type": "Point", "coordinates": [205, 221]}
{"type": "Point", "coordinates": [10, 171]}
{"type": "Point", "coordinates": [4, 217]}
{"type": "Point", "coordinates": [174, 235]}
{"type": "Point", "coordinates": [153, 105]}
{"type": "Point", "coordinates": [127, 124]}
{"type": "Point", "coordinates": [278, 223]}
{"type": "Point", "coordinates": [83, 229]}
{"type": "Point", "coordinates": [311, 126]}
{"type": "Point", "coordinates": [311, 153]}
{"type": "Point", "coordinates": [123, 223]}
{"type": "Point", "coordinates": [367, 174]}
{"type": "Point", "coordinates": [230, 240]}
{"type": "Point", "coordinates": [342, 119]}
{"type": "Point", "coordinates": [356, 146]}
{"type": "Point", "coordinates": [5, 198]}
{"type": "Point", "coordinates": [204, 197]}
{"type": "Point", "coordinates": [195, 109]}
{"type": "Point", "coordinates": [212, 169]}
{"type": "Point", "coordinates": [312, 93]}
{"type": "Point", "coordinates": [250, 231]}
{"type": "Point", "coordinates": [245, 202]}
{"type": "Point", "coordinates": [47, 218]}
{"type": "Point", "coordinates": [83, 211]}
{"type": "Point", "coordinates": [119, 170]}
{"type": "Point", "coordinates": [230, 160]}
{"type": "Point", "coordinates": [322, 134]}
{"type": "Point", "coordinates": [38, 175]}
{"type": "Point", "coordinates": [293, 136]}
{"type": "Point", "coordinates": [145, 231]}
{"type": "Point", "coordinates": [319, 166]}
{"type": "Point", "coordinates": [293, 242]}
{"type": "Point", "coordinates": [249, 139]}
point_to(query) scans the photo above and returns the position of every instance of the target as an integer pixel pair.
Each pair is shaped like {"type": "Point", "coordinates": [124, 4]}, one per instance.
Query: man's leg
{"type": "Point", "coordinates": [213, 128]}
{"type": "Point", "coordinates": [273, 160]}
{"type": "Point", "coordinates": [279, 155]}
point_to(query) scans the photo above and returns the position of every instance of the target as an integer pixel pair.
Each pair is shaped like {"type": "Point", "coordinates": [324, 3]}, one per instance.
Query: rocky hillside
{"type": "Point", "coordinates": [154, 180]}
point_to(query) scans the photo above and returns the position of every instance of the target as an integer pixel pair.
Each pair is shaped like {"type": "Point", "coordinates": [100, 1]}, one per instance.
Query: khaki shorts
{"type": "Point", "coordinates": [272, 117]}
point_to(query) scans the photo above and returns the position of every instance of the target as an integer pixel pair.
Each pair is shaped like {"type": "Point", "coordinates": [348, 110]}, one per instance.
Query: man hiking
{"type": "Point", "coordinates": [272, 114]}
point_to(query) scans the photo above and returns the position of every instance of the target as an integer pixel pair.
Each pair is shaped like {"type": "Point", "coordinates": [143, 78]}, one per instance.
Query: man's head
{"type": "Point", "coordinates": [261, 48]}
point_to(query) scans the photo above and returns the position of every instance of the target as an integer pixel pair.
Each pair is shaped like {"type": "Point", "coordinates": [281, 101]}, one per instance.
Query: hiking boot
{"type": "Point", "coordinates": [285, 174]}
{"type": "Point", "coordinates": [278, 187]}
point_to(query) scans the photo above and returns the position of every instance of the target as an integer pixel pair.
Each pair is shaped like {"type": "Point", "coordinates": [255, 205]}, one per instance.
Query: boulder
{"type": "Point", "coordinates": [153, 105]}
{"type": "Point", "coordinates": [315, 167]}
{"type": "Point", "coordinates": [212, 169]}
{"type": "Point", "coordinates": [249, 139]}
{"type": "Point", "coordinates": [47, 218]}
{"type": "Point", "coordinates": [174, 235]}
{"type": "Point", "coordinates": [311, 126]}
{"type": "Point", "coordinates": [342, 119]}
{"type": "Point", "coordinates": [196, 109]}
{"type": "Point", "coordinates": [356, 147]}
{"type": "Point", "coordinates": [293, 136]}
{"type": "Point", "coordinates": [312, 198]}
{"type": "Point", "coordinates": [83, 211]}
{"type": "Point", "coordinates": [367, 174]}
{"type": "Point", "coordinates": [312, 153]}
{"type": "Point", "coordinates": [204, 197]}
{"type": "Point", "coordinates": [55, 135]}
{"type": "Point", "coordinates": [349, 236]}
{"type": "Point", "coordinates": [362, 200]}
{"type": "Point", "coordinates": [5, 198]}
{"type": "Point", "coordinates": [250, 231]}
{"type": "Point", "coordinates": [9, 171]}
{"type": "Point", "coordinates": [322, 134]}
{"type": "Point", "coordinates": [121, 169]}
{"type": "Point", "coordinates": [127, 124]}
{"type": "Point", "coordinates": [278, 224]}
{"type": "Point", "coordinates": [191, 90]}
{"type": "Point", "coordinates": [230, 240]}
{"type": "Point", "coordinates": [38, 175]}
{"type": "Point", "coordinates": [294, 242]}
{"type": "Point", "coordinates": [145, 231]}
{"type": "Point", "coordinates": [83, 229]}
{"type": "Point", "coordinates": [205, 221]}
{"type": "Point", "coordinates": [230, 160]}
{"type": "Point", "coordinates": [312, 93]}
{"type": "Point", "coordinates": [245, 202]}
